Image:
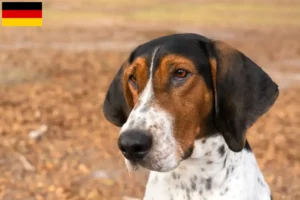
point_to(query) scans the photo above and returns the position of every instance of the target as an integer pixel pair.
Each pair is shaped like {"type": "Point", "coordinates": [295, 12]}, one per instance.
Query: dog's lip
{"type": "Point", "coordinates": [158, 169]}
{"type": "Point", "coordinates": [140, 156]}
{"type": "Point", "coordinates": [144, 163]}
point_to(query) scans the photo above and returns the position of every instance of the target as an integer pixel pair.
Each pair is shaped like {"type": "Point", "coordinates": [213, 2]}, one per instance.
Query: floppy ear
{"type": "Point", "coordinates": [242, 92]}
{"type": "Point", "coordinates": [115, 107]}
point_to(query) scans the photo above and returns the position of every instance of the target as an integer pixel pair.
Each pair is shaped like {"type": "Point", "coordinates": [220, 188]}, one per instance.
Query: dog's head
{"type": "Point", "coordinates": [179, 88]}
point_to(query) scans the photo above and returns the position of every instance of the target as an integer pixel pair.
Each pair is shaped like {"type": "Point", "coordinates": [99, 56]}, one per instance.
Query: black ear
{"type": "Point", "coordinates": [115, 107]}
{"type": "Point", "coordinates": [242, 92]}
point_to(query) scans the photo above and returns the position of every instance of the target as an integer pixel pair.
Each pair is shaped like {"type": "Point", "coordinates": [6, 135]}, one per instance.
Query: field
{"type": "Point", "coordinates": [54, 78]}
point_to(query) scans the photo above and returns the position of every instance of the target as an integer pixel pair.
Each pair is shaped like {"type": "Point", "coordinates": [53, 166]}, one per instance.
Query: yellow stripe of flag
{"type": "Point", "coordinates": [22, 21]}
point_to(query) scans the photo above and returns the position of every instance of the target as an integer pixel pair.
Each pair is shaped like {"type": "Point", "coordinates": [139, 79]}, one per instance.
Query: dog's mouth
{"type": "Point", "coordinates": [159, 161]}
{"type": "Point", "coordinates": [134, 166]}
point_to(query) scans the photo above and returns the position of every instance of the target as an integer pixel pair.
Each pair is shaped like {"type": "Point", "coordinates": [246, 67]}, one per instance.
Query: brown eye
{"type": "Point", "coordinates": [132, 79]}
{"type": "Point", "coordinates": [181, 73]}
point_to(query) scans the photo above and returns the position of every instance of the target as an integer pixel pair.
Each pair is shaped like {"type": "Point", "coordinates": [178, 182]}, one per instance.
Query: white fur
{"type": "Point", "coordinates": [244, 182]}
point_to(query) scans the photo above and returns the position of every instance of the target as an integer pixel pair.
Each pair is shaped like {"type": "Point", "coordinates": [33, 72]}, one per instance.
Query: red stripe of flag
{"type": "Point", "coordinates": [21, 13]}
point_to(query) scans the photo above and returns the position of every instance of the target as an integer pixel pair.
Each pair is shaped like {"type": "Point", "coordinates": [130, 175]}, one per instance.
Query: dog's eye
{"type": "Point", "coordinates": [132, 79]}
{"type": "Point", "coordinates": [181, 73]}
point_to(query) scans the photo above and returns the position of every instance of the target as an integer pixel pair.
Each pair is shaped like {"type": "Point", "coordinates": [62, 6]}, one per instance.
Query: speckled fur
{"type": "Point", "coordinates": [211, 174]}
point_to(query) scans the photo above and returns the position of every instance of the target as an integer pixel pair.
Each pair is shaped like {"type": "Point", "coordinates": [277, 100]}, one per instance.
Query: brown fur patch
{"type": "Point", "coordinates": [189, 104]}
{"type": "Point", "coordinates": [213, 68]}
{"type": "Point", "coordinates": [139, 69]}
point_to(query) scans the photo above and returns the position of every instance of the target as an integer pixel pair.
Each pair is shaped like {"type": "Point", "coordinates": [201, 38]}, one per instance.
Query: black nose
{"type": "Point", "coordinates": [135, 144]}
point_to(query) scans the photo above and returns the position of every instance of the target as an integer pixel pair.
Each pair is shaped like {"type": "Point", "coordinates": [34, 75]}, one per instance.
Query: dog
{"type": "Point", "coordinates": [184, 103]}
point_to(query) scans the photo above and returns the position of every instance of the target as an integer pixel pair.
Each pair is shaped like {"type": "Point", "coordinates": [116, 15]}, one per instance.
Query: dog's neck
{"type": "Point", "coordinates": [212, 171]}
{"type": "Point", "coordinates": [212, 161]}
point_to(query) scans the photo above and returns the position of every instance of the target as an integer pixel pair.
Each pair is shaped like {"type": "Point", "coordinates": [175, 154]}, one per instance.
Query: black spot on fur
{"type": "Point", "coordinates": [224, 164]}
{"type": "Point", "coordinates": [232, 168]}
{"type": "Point", "coordinates": [200, 191]}
{"type": "Point", "coordinates": [221, 150]}
{"type": "Point", "coordinates": [209, 162]}
{"type": "Point", "coordinates": [224, 192]}
{"type": "Point", "coordinates": [208, 153]}
{"type": "Point", "coordinates": [260, 182]}
{"type": "Point", "coordinates": [188, 195]}
{"type": "Point", "coordinates": [208, 183]}
{"type": "Point", "coordinates": [182, 186]}
{"type": "Point", "coordinates": [193, 184]}
{"type": "Point", "coordinates": [175, 176]}
{"type": "Point", "coordinates": [188, 153]}
{"type": "Point", "coordinates": [227, 173]}
{"type": "Point", "coordinates": [203, 141]}
{"type": "Point", "coordinates": [194, 178]}
{"type": "Point", "coordinates": [145, 109]}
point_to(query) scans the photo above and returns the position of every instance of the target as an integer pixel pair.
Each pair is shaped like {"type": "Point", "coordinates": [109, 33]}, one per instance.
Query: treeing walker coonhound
{"type": "Point", "coordinates": [184, 103]}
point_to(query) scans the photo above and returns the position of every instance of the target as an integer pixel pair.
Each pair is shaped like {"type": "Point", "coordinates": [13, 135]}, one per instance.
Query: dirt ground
{"type": "Point", "coordinates": [53, 79]}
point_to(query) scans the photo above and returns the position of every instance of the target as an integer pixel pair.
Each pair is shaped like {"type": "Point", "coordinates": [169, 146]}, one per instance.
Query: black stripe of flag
{"type": "Point", "coordinates": [21, 5]}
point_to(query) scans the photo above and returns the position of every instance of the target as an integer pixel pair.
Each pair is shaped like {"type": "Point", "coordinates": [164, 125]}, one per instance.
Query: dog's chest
{"type": "Point", "coordinates": [174, 186]}
{"type": "Point", "coordinates": [213, 177]}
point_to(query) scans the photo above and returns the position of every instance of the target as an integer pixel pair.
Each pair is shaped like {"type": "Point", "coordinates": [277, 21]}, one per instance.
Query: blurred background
{"type": "Point", "coordinates": [54, 141]}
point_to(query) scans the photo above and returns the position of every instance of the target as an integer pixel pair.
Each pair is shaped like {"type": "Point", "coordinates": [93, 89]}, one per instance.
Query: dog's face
{"type": "Point", "coordinates": [179, 88]}
{"type": "Point", "coordinates": [166, 89]}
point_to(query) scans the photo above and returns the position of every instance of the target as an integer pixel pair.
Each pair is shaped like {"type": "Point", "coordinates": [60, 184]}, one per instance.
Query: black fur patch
{"type": "Point", "coordinates": [175, 176]}
{"type": "Point", "coordinates": [225, 160]}
{"type": "Point", "coordinates": [221, 150]}
{"type": "Point", "coordinates": [224, 192]}
{"type": "Point", "coordinates": [193, 184]}
{"type": "Point", "coordinates": [247, 146]}
{"type": "Point", "coordinates": [208, 183]}
{"type": "Point", "coordinates": [188, 153]}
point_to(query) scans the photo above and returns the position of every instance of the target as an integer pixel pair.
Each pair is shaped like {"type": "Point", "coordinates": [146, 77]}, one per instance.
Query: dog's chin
{"type": "Point", "coordinates": [152, 166]}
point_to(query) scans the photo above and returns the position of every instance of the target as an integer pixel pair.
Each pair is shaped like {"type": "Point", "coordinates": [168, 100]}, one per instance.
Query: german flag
{"type": "Point", "coordinates": [22, 14]}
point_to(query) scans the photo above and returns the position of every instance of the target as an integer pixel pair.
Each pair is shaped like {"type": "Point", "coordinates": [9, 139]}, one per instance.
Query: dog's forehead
{"type": "Point", "coordinates": [186, 45]}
